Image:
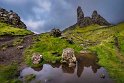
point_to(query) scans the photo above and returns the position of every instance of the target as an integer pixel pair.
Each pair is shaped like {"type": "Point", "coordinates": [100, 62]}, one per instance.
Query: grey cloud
{"type": "Point", "coordinates": [62, 13]}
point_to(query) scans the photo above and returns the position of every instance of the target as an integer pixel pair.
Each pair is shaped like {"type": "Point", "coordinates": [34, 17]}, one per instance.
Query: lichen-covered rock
{"type": "Point", "coordinates": [68, 57]}
{"type": "Point", "coordinates": [11, 18]}
{"type": "Point", "coordinates": [37, 58]}
{"type": "Point", "coordinates": [55, 32]}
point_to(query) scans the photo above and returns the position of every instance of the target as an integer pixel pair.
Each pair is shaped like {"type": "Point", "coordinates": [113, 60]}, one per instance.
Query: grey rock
{"type": "Point", "coordinates": [80, 14]}
{"type": "Point", "coordinates": [98, 19]}
{"type": "Point", "coordinates": [68, 56]}
{"type": "Point", "coordinates": [11, 18]}
{"type": "Point", "coordinates": [85, 21]}
{"type": "Point", "coordinates": [20, 47]}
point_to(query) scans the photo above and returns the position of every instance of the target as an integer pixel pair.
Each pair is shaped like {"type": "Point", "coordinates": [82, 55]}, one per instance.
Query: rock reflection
{"type": "Point", "coordinates": [86, 60]}
{"type": "Point", "coordinates": [86, 71]}
{"type": "Point", "coordinates": [83, 60]}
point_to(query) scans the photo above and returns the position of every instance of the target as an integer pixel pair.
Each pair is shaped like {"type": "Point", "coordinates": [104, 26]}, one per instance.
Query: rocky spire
{"type": "Point", "coordinates": [98, 19]}
{"type": "Point", "coordinates": [80, 14]}
{"type": "Point", "coordinates": [85, 21]}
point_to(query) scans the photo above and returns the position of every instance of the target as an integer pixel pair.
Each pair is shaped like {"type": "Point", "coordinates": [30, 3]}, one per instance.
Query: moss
{"type": "Point", "coordinates": [7, 30]}
{"type": "Point", "coordinates": [8, 74]}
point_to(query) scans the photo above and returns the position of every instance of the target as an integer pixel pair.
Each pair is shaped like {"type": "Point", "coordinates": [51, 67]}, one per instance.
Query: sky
{"type": "Point", "coordinates": [43, 15]}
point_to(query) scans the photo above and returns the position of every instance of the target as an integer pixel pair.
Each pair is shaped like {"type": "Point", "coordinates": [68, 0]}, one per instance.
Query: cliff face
{"type": "Point", "coordinates": [85, 21]}
{"type": "Point", "coordinates": [11, 18]}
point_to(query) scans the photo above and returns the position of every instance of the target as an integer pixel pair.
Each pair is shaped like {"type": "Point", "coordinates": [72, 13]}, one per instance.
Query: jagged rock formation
{"type": "Point", "coordinates": [11, 18]}
{"type": "Point", "coordinates": [97, 19]}
{"type": "Point", "coordinates": [85, 21]}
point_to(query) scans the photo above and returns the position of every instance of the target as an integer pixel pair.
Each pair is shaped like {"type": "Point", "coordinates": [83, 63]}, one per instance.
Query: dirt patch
{"type": "Point", "coordinates": [14, 53]}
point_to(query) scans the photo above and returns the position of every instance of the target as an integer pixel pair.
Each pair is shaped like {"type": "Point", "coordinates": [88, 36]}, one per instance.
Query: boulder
{"type": "Point", "coordinates": [68, 57]}
{"type": "Point", "coordinates": [37, 58]}
{"type": "Point", "coordinates": [55, 32]}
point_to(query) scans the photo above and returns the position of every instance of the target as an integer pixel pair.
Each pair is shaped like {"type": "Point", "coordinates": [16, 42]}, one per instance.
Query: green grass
{"type": "Point", "coordinates": [94, 37]}
{"type": "Point", "coordinates": [46, 46]}
{"type": "Point", "coordinates": [17, 41]}
{"type": "Point", "coordinates": [8, 30]}
{"type": "Point", "coordinates": [109, 55]}
{"type": "Point", "coordinates": [8, 74]}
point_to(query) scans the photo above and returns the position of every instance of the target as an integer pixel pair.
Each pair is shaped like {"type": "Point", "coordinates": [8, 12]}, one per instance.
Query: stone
{"type": "Point", "coordinates": [55, 32]}
{"type": "Point", "coordinates": [86, 21]}
{"type": "Point", "coordinates": [68, 56]}
{"type": "Point", "coordinates": [37, 58]}
{"type": "Point", "coordinates": [20, 47]}
{"type": "Point", "coordinates": [11, 18]}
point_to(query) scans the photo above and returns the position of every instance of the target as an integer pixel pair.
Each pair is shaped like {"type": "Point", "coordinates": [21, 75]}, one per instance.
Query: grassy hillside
{"type": "Point", "coordinates": [48, 45]}
{"type": "Point", "coordinates": [9, 72]}
{"type": "Point", "coordinates": [107, 42]}
{"type": "Point", "coordinates": [7, 30]}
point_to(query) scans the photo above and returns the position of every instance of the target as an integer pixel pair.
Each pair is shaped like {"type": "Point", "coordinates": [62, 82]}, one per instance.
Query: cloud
{"type": "Point", "coordinates": [34, 25]}
{"type": "Point", "coordinates": [15, 2]}
{"type": "Point", "coordinates": [43, 15]}
{"type": "Point", "coordinates": [42, 6]}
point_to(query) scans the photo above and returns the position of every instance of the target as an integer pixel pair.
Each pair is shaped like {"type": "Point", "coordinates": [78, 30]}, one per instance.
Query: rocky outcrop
{"type": "Point", "coordinates": [11, 18]}
{"type": "Point", "coordinates": [68, 57]}
{"type": "Point", "coordinates": [85, 21]}
{"type": "Point", "coordinates": [55, 32]}
{"type": "Point", "coordinates": [98, 19]}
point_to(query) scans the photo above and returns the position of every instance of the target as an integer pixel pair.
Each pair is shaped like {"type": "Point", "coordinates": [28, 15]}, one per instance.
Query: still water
{"type": "Point", "coordinates": [86, 71]}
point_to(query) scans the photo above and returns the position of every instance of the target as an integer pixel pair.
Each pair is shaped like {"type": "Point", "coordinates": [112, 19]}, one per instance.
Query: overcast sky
{"type": "Point", "coordinates": [43, 15]}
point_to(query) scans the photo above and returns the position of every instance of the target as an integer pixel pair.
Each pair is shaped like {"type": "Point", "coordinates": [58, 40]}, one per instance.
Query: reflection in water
{"type": "Point", "coordinates": [86, 71]}
{"type": "Point", "coordinates": [86, 61]}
